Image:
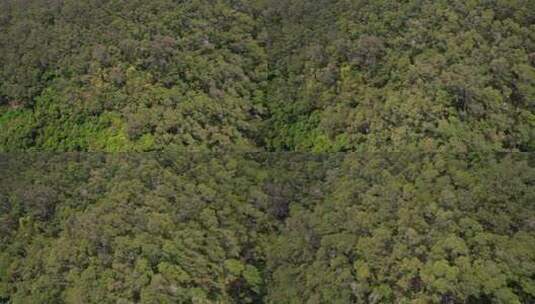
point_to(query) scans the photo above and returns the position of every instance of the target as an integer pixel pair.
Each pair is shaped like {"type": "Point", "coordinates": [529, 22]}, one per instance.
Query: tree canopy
{"type": "Point", "coordinates": [267, 151]}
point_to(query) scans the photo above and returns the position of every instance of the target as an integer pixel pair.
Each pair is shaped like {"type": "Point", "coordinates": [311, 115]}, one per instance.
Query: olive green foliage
{"type": "Point", "coordinates": [273, 75]}
{"type": "Point", "coordinates": [129, 75]}
{"type": "Point", "coordinates": [253, 228]}
{"type": "Point", "coordinates": [407, 228]}
{"type": "Point", "coordinates": [391, 75]}
{"type": "Point", "coordinates": [267, 151]}
{"type": "Point", "coordinates": [122, 229]}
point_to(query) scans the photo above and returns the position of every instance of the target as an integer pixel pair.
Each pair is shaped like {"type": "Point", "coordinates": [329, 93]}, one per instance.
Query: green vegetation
{"type": "Point", "coordinates": [396, 75]}
{"type": "Point", "coordinates": [129, 75]}
{"type": "Point", "coordinates": [267, 151]}
{"type": "Point", "coordinates": [273, 228]}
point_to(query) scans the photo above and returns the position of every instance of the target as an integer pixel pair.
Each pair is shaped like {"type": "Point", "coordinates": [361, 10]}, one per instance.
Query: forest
{"type": "Point", "coordinates": [267, 151]}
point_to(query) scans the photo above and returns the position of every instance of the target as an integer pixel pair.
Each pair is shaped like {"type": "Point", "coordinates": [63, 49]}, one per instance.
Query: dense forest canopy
{"type": "Point", "coordinates": [272, 75]}
{"type": "Point", "coordinates": [267, 228]}
{"type": "Point", "coordinates": [267, 151]}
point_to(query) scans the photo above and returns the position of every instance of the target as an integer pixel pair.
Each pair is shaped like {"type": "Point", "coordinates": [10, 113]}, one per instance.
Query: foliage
{"type": "Point", "coordinates": [267, 151]}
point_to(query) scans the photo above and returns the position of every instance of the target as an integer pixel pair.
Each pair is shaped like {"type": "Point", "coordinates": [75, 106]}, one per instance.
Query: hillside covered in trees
{"type": "Point", "coordinates": [267, 151]}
